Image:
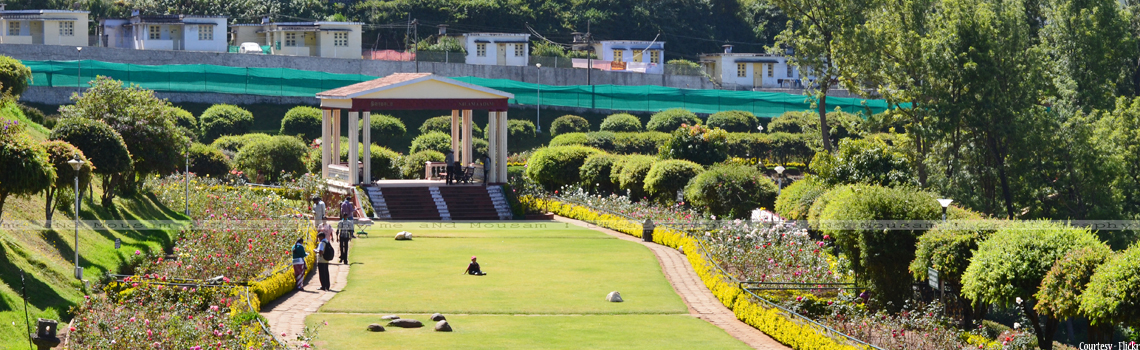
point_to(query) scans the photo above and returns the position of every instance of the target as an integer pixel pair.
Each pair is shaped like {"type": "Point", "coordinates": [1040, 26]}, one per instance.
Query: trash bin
{"type": "Point", "coordinates": [647, 230]}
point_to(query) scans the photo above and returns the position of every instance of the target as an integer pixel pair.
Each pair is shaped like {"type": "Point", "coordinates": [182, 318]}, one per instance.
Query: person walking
{"type": "Point", "coordinates": [299, 255]}
{"type": "Point", "coordinates": [324, 250]}
{"type": "Point", "coordinates": [318, 211]}
{"type": "Point", "coordinates": [449, 159]}
{"type": "Point", "coordinates": [347, 209]}
{"type": "Point", "coordinates": [486, 170]}
{"type": "Point", "coordinates": [345, 234]}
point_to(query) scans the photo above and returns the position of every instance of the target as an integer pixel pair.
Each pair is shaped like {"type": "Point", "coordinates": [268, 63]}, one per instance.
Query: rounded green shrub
{"type": "Point", "coordinates": [432, 141]}
{"type": "Point", "coordinates": [27, 168]}
{"type": "Point", "coordinates": [569, 123]}
{"type": "Point", "coordinates": [185, 121]}
{"type": "Point", "coordinates": [595, 173]}
{"type": "Point", "coordinates": [841, 125]}
{"type": "Point", "coordinates": [233, 143]}
{"type": "Point", "coordinates": [668, 177]}
{"type": "Point", "coordinates": [385, 163]}
{"type": "Point", "coordinates": [302, 121]}
{"type": "Point", "coordinates": [59, 153]}
{"type": "Point", "coordinates": [948, 247]}
{"type": "Point", "coordinates": [796, 199]}
{"type": "Point", "coordinates": [864, 161]}
{"type": "Point", "coordinates": [207, 160]}
{"type": "Point", "coordinates": [628, 174]}
{"type": "Point", "coordinates": [1112, 290]}
{"type": "Point", "coordinates": [697, 144]}
{"type": "Point", "coordinates": [734, 121]}
{"type": "Point", "coordinates": [480, 148]}
{"type": "Point", "coordinates": [32, 113]}
{"type": "Point", "coordinates": [266, 161]}
{"type": "Point", "coordinates": [649, 142]}
{"type": "Point", "coordinates": [520, 132]}
{"type": "Point", "coordinates": [554, 167]}
{"type": "Point", "coordinates": [748, 145]}
{"type": "Point", "coordinates": [14, 76]}
{"type": "Point", "coordinates": [101, 144]}
{"type": "Point", "coordinates": [1060, 292]}
{"type": "Point", "coordinates": [414, 164]}
{"type": "Point", "coordinates": [731, 191]}
{"type": "Point", "coordinates": [573, 138]}
{"type": "Point", "coordinates": [603, 140]}
{"type": "Point", "coordinates": [385, 128]}
{"type": "Point", "coordinates": [222, 119]}
{"type": "Point", "coordinates": [671, 119]}
{"type": "Point", "coordinates": [441, 124]}
{"type": "Point", "coordinates": [621, 122]}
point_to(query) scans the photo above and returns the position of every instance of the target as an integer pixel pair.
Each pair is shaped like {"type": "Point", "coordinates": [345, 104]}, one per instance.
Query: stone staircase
{"type": "Point", "coordinates": [457, 202]}
{"type": "Point", "coordinates": [469, 203]}
{"type": "Point", "coordinates": [379, 205]}
{"type": "Point", "coordinates": [500, 202]}
{"type": "Point", "coordinates": [409, 203]}
{"type": "Point", "coordinates": [440, 203]}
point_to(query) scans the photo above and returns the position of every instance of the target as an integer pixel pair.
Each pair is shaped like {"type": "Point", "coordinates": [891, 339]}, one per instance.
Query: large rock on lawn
{"type": "Point", "coordinates": [406, 323]}
{"type": "Point", "coordinates": [437, 317]}
{"type": "Point", "coordinates": [614, 296]}
{"type": "Point", "coordinates": [390, 317]}
{"type": "Point", "coordinates": [442, 326]}
{"type": "Point", "coordinates": [375, 327]}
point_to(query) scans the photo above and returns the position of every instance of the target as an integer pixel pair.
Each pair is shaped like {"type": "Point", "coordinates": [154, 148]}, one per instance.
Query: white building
{"type": "Point", "coordinates": [318, 39]}
{"type": "Point", "coordinates": [166, 32]}
{"type": "Point", "coordinates": [647, 55]}
{"type": "Point", "coordinates": [752, 70]}
{"type": "Point", "coordinates": [43, 27]}
{"type": "Point", "coordinates": [497, 49]}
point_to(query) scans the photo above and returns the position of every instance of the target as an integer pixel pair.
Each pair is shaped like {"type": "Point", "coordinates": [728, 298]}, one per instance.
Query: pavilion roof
{"type": "Point", "coordinates": [397, 80]}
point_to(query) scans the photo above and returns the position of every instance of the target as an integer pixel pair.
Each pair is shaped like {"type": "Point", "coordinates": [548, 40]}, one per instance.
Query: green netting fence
{"type": "Point", "coordinates": [295, 82]}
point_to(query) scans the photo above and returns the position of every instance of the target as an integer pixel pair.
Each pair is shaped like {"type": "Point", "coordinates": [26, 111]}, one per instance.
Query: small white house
{"type": "Point", "coordinates": [497, 49]}
{"type": "Point", "coordinates": [166, 32]}
{"type": "Point", "coordinates": [43, 27]}
{"type": "Point", "coordinates": [647, 55]}
{"type": "Point", "coordinates": [752, 70]}
{"type": "Point", "coordinates": [317, 39]}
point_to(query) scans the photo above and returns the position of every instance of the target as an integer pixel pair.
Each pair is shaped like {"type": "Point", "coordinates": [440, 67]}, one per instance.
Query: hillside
{"type": "Point", "coordinates": [46, 256]}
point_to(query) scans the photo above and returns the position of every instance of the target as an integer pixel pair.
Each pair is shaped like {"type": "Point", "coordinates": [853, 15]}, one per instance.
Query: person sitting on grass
{"type": "Point", "coordinates": [473, 269]}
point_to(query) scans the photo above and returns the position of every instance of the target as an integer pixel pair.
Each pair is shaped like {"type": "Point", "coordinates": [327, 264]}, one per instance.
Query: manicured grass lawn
{"type": "Point", "coordinates": [347, 331]}
{"type": "Point", "coordinates": [559, 269]}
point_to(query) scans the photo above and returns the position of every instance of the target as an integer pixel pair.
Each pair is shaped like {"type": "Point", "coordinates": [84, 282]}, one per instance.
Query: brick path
{"type": "Point", "coordinates": [692, 290]}
{"type": "Point", "coordinates": [287, 313]}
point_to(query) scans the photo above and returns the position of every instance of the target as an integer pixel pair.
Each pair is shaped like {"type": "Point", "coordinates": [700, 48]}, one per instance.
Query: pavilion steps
{"type": "Point", "coordinates": [409, 203]}
{"type": "Point", "coordinates": [469, 203]}
{"type": "Point", "coordinates": [431, 203]}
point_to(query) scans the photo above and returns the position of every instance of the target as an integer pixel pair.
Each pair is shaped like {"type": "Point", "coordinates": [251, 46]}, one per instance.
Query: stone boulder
{"type": "Point", "coordinates": [442, 326]}
{"type": "Point", "coordinates": [376, 327]}
{"type": "Point", "coordinates": [614, 296]}
{"type": "Point", "coordinates": [405, 323]}
{"type": "Point", "coordinates": [403, 236]}
{"type": "Point", "coordinates": [390, 317]}
{"type": "Point", "coordinates": [437, 317]}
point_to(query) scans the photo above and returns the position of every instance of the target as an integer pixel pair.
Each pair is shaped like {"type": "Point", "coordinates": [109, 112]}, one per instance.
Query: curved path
{"type": "Point", "coordinates": [287, 313]}
{"type": "Point", "coordinates": [692, 290]}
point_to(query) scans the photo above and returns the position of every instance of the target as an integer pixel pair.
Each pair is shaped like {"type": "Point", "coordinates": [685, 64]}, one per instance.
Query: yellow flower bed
{"type": "Point", "coordinates": [281, 281]}
{"type": "Point", "coordinates": [771, 321]}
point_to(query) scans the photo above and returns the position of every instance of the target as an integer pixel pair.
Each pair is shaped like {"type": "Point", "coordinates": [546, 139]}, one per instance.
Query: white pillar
{"type": "Point", "coordinates": [501, 163]}
{"type": "Point", "coordinates": [336, 137]}
{"type": "Point", "coordinates": [492, 146]}
{"type": "Point", "coordinates": [366, 135]}
{"type": "Point", "coordinates": [455, 133]}
{"type": "Point", "coordinates": [467, 154]}
{"type": "Point", "coordinates": [326, 138]}
{"type": "Point", "coordinates": [353, 145]}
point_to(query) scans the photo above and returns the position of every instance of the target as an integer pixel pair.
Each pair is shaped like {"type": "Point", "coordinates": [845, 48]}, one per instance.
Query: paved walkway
{"type": "Point", "coordinates": [287, 313]}
{"type": "Point", "coordinates": [692, 290]}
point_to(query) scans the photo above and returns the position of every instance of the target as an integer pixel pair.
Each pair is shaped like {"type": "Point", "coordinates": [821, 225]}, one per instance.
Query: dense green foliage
{"type": "Point", "coordinates": [102, 145]}
{"type": "Point", "coordinates": [441, 124]}
{"type": "Point", "coordinates": [266, 161]}
{"type": "Point", "coordinates": [595, 173]}
{"type": "Point", "coordinates": [569, 123]}
{"type": "Point", "coordinates": [731, 191]}
{"type": "Point", "coordinates": [734, 121]}
{"type": "Point", "coordinates": [414, 164]}
{"type": "Point", "coordinates": [385, 128]}
{"type": "Point", "coordinates": [666, 178]}
{"type": "Point", "coordinates": [233, 143]}
{"type": "Point", "coordinates": [628, 174]}
{"type": "Point", "coordinates": [33, 114]}
{"type": "Point", "coordinates": [1111, 292]}
{"type": "Point", "coordinates": [671, 119]}
{"type": "Point", "coordinates": [222, 119]}
{"type": "Point", "coordinates": [302, 121]}
{"type": "Point", "coordinates": [796, 199]}
{"type": "Point", "coordinates": [519, 132]}
{"type": "Point", "coordinates": [186, 122]}
{"type": "Point", "coordinates": [432, 141]}
{"type": "Point", "coordinates": [698, 144]}
{"type": "Point", "coordinates": [870, 162]}
{"type": "Point", "coordinates": [573, 138]}
{"type": "Point", "coordinates": [27, 167]}
{"type": "Point", "coordinates": [59, 154]}
{"type": "Point", "coordinates": [385, 163]}
{"type": "Point", "coordinates": [207, 160]}
{"type": "Point", "coordinates": [554, 167]}
{"type": "Point", "coordinates": [621, 122]}
{"type": "Point", "coordinates": [1060, 293]}
{"type": "Point", "coordinates": [948, 247]}
{"type": "Point", "coordinates": [14, 76]}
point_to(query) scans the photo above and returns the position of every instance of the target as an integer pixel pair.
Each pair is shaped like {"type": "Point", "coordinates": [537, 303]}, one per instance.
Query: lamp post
{"type": "Point", "coordinates": [76, 164]}
{"type": "Point", "coordinates": [945, 204]}
{"type": "Point", "coordinates": [538, 112]}
{"type": "Point", "coordinates": [779, 177]}
{"type": "Point", "coordinates": [79, 73]}
{"type": "Point", "coordinates": [186, 180]}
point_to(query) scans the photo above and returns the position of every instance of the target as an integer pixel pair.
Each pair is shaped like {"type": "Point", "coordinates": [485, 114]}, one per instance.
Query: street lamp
{"type": "Point", "coordinates": [186, 180]}
{"type": "Point", "coordinates": [76, 164]}
{"type": "Point", "coordinates": [79, 74]}
{"type": "Point", "coordinates": [538, 113]}
{"type": "Point", "coordinates": [945, 204]}
{"type": "Point", "coordinates": [779, 177]}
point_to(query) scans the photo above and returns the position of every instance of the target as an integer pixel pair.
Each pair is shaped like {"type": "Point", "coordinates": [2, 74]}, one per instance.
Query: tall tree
{"type": "Point", "coordinates": [1093, 50]}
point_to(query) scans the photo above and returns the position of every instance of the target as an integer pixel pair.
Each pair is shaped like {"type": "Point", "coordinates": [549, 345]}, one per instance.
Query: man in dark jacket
{"type": "Point", "coordinates": [345, 234]}
{"type": "Point", "coordinates": [322, 263]}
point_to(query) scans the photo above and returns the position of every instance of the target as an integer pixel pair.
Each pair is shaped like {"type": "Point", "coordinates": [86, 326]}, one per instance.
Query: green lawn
{"type": "Point", "coordinates": [545, 288]}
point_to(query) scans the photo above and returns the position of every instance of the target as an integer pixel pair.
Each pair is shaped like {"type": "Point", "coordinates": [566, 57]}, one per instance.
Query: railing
{"type": "Point", "coordinates": [440, 56]}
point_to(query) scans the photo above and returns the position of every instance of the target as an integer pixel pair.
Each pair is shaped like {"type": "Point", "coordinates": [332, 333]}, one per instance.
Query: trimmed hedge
{"type": "Point", "coordinates": [414, 164]}
{"type": "Point", "coordinates": [698, 144]}
{"type": "Point", "coordinates": [268, 160]}
{"type": "Point", "coordinates": [302, 121]}
{"type": "Point", "coordinates": [842, 125]}
{"type": "Point", "coordinates": [1112, 290]}
{"type": "Point", "coordinates": [595, 173]}
{"type": "Point", "coordinates": [234, 143]}
{"type": "Point", "coordinates": [385, 127]}
{"type": "Point", "coordinates": [734, 121]}
{"type": "Point", "coordinates": [385, 162]}
{"type": "Point", "coordinates": [870, 162]}
{"type": "Point", "coordinates": [621, 122]}
{"type": "Point", "coordinates": [98, 142]}
{"type": "Point", "coordinates": [572, 138]}
{"type": "Point", "coordinates": [569, 123]}
{"type": "Point", "coordinates": [206, 160]}
{"type": "Point", "coordinates": [222, 119]}
{"type": "Point", "coordinates": [671, 119]}
{"type": "Point", "coordinates": [796, 199]}
{"type": "Point", "coordinates": [443, 124]}
{"type": "Point", "coordinates": [281, 281]}
{"type": "Point", "coordinates": [628, 174]}
{"type": "Point", "coordinates": [668, 177]}
{"type": "Point", "coordinates": [432, 141]}
{"type": "Point", "coordinates": [948, 247]}
{"type": "Point", "coordinates": [554, 167]}
{"type": "Point", "coordinates": [1060, 293]}
{"type": "Point", "coordinates": [615, 142]}
{"type": "Point", "coordinates": [731, 191]}
{"type": "Point", "coordinates": [14, 76]}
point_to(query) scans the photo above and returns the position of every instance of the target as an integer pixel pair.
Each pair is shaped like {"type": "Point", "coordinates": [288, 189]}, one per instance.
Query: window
{"type": "Point", "coordinates": [771, 69]}
{"type": "Point", "coordinates": [155, 33]}
{"type": "Point", "coordinates": [13, 28]}
{"type": "Point", "coordinates": [637, 55]}
{"type": "Point", "coordinates": [481, 49]}
{"type": "Point", "coordinates": [205, 32]}
{"type": "Point", "coordinates": [519, 50]}
{"type": "Point", "coordinates": [67, 28]}
{"type": "Point", "coordinates": [290, 39]}
{"type": "Point", "coordinates": [741, 70]}
{"type": "Point", "coordinates": [789, 69]}
{"type": "Point", "coordinates": [617, 55]}
{"type": "Point", "coordinates": [340, 39]}
{"type": "Point", "coordinates": [654, 56]}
